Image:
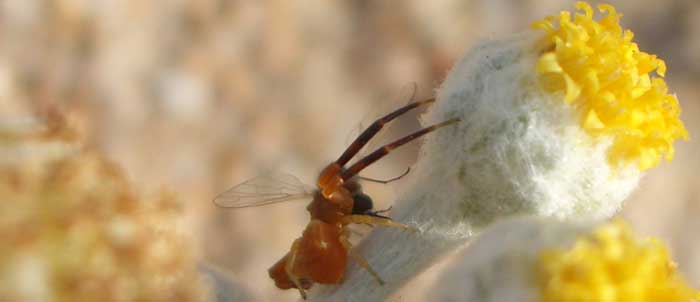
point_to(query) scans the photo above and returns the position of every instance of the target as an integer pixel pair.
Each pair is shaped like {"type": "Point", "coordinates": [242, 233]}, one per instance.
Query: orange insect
{"type": "Point", "coordinates": [320, 254]}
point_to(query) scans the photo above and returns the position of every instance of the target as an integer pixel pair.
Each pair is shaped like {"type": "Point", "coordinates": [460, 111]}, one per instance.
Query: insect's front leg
{"type": "Point", "coordinates": [379, 213]}
{"type": "Point", "coordinates": [357, 257]}
{"type": "Point", "coordinates": [373, 220]}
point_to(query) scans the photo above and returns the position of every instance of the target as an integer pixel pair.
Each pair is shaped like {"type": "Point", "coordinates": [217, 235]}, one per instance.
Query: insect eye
{"type": "Point", "coordinates": [362, 204]}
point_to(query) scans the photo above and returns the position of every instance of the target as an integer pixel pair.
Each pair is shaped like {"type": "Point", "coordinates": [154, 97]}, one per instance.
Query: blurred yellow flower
{"type": "Point", "coordinates": [74, 230]}
{"type": "Point", "coordinates": [609, 80]}
{"type": "Point", "coordinates": [611, 265]}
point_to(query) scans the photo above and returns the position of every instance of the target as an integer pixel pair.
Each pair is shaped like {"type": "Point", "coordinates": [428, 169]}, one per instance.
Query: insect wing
{"type": "Point", "coordinates": [263, 190]}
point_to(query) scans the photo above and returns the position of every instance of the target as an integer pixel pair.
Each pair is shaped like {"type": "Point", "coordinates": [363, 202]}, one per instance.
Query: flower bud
{"type": "Point", "coordinates": [560, 121]}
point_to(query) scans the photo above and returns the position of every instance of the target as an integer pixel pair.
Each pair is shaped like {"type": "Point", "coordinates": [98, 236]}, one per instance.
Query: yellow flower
{"type": "Point", "coordinates": [602, 72]}
{"type": "Point", "coordinates": [531, 259]}
{"type": "Point", "coordinates": [611, 265]}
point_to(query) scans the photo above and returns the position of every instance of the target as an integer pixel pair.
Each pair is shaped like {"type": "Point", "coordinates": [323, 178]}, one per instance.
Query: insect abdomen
{"type": "Point", "coordinates": [321, 257]}
{"type": "Point", "coordinates": [278, 273]}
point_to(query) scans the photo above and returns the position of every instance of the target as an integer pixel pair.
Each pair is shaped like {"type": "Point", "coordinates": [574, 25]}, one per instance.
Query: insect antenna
{"type": "Point", "coordinates": [372, 130]}
{"type": "Point", "coordinates": [386, 149]}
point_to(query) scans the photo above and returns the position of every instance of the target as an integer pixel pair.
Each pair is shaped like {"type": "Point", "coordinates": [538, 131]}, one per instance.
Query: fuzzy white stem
{"type": "Point", "coordinates": [499, 265]}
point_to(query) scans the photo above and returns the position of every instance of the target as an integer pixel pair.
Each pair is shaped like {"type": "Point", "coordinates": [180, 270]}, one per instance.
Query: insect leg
{"type": "Point", "coordinates": [381, 152]}
{"type": "Point", "coordinates": [383, 211]}
{"type": "Point", "coordinates": [372, 130]}
{"type": "Point", "coordinates": [372, 220]}
{"type": "Point", "coordinates": [379, 213]}
{"type": "Point", "coordinates": [358, 258]}
{"type": "Point", "coordinates": [388, 180]}
{"type": "Point", "coordinates": [290, 266]}
{"type": "Point", "coordinates": [356, 232]}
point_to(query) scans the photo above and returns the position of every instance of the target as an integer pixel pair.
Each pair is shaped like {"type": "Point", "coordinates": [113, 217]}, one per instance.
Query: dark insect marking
{"type": "Point", "coordinates": [362, 205]}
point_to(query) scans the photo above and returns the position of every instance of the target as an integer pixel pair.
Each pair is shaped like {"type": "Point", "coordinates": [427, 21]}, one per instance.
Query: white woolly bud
{"type": "Point", "coordinates": [517, 150]}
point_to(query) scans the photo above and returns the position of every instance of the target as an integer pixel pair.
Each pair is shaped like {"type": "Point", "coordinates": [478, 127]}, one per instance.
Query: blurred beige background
{"type": "Point", "coordinates": [196, 96]}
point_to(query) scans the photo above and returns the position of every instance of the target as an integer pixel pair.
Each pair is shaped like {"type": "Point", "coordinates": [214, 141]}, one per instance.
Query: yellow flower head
{"type": "Point", "coordinates": [611, 265]}
{"type": "Point", "coordinates": [609, 80]}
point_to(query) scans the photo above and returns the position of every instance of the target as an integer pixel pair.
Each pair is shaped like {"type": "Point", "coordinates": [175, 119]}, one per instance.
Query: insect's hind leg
{"type": "Point", "coordinates": [290, 265]}
{"type": "Point", "coordinates": [358, 258]}
{"type": "Point", "coordinates": [375, 220]}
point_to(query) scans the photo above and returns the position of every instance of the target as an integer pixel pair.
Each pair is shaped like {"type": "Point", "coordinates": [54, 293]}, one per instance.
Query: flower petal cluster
{"type": "Point", "coordinates": [611, 264]}
{"type": "Point", "coordinates": [544, 260]}
{"type": "Point", "coordinates": [618, 89]}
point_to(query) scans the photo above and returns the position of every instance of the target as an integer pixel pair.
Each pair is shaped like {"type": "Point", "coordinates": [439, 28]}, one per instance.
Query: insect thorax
{"type": "Point", "coordinates": [323, 209]}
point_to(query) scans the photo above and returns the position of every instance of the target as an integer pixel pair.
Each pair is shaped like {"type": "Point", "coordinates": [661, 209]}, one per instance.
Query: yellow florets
{"type": "Point", "coordinates": [608, 79]}
{"type": "Point", "coordinates": [611, 265]}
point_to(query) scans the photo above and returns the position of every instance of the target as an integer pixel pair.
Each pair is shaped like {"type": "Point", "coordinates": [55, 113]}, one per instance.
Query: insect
{"type": "Point", "coordinates": [320, 255]}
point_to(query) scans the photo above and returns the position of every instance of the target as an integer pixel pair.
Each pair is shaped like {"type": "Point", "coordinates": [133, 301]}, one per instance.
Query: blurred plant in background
{"type": "Point", "coordinates": [73, 228]}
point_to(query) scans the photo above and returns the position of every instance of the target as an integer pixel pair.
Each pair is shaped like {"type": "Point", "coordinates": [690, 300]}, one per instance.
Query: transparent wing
{"type": "Point", "coordinates": [265, 189]}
